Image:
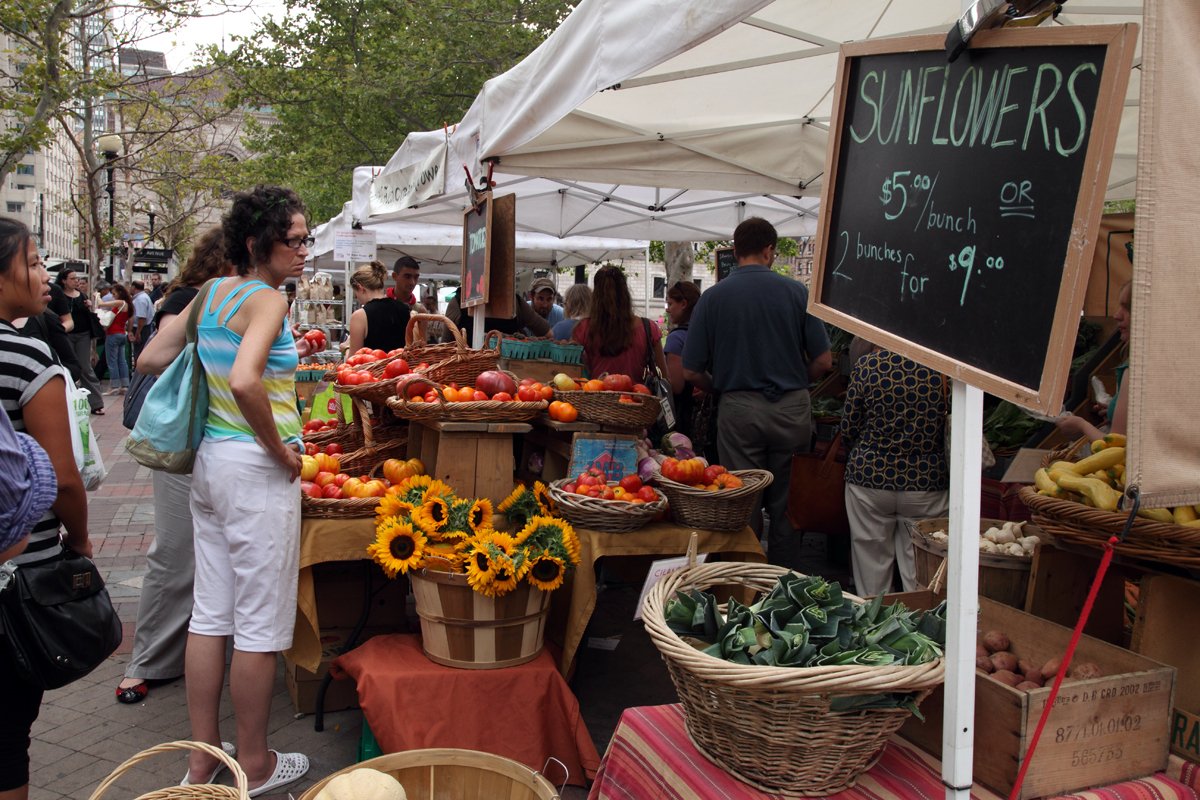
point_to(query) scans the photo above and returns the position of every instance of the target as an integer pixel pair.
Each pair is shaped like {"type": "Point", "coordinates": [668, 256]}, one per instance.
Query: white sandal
{"type": "Point", "coordinates": [230, 750]}
{"type": "Point", "coordinates": [289, 767]}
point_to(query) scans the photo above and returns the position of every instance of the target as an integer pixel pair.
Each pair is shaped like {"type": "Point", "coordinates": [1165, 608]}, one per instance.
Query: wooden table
{"type": "Point", "coordinates": [475, 458]}
{"type": "Point", "coordinates": [658, 539]}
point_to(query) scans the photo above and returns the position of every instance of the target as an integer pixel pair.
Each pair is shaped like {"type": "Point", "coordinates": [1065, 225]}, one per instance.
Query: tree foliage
{"type": "Point", "coordinates": [348, 79]}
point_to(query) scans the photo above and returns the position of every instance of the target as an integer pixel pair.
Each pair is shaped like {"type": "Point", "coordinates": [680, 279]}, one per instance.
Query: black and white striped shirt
{"type": "Point", "coordinates": [26, 365]}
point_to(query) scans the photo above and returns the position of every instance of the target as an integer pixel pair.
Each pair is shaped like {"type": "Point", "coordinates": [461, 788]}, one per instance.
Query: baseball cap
{"type": "Point", "coordinates": [542, 283]}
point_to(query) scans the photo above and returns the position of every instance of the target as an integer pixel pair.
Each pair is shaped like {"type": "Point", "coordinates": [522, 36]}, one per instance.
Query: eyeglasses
{"type": "Point", "coordinates": [296, 242]}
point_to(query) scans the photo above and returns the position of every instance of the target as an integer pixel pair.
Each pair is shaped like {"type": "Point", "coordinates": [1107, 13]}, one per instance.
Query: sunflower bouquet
{"type": "Point", "coordinates": [422, 524]}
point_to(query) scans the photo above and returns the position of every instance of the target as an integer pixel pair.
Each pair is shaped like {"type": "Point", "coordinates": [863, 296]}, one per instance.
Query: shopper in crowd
{"type": "Point", "coordinates": [80, 336]}
{"type": "Point", "coordinates": [614, 339]}
{"type": "Point", "coordinates": [526, 320]}
{"type": "Point", "coordinates": [542, 296]}
{"type": "Point", "coordinates": [894, 425]}
{"type": "Point", "coordinates": [682, 298]}
{"type": "Point", "coordinates": [33, 396]}
{"type": "Point", "coordinates": [165, 606]}
{"type": "Point", "coordinates": [116, 337]}
{"type": "Point", "coordinates": [380, 322]}
{"type": "Point", "coordinates": [139, 320]}
{"type": "Point", "coordinates": [28, 487]}
{"type": "Point", "coordinates": [245, 501]}
{"type": "Point", "coordinates": [1116, 412]}
{"type": "Point", "coordinates": [578, 304]}
{"type": "Point", "coordinates": [752, 340]}
{"type": "Point", "coordinates": [157, 289]}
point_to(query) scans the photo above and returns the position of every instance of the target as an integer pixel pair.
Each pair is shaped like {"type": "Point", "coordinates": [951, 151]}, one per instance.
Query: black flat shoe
{"type": "Point", "coordinates": [132, 694]}
{"type": "Point", "coordinates": [97, 412]}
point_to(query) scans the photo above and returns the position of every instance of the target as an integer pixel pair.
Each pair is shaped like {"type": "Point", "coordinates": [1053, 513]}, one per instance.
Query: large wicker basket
{"type": "Point", "coordinates": [462, 774]}
{"type": "Point", "coordinates": [204, 790]}
{"type": "Point", "coordinates": [450, 363]}
{"type": "Point", "coordinates": [379, 443]}
{"type": "Point", "coordinates": [726, 510]}
{"type": "Point", "coordinates": [772, 727]}
{"type": "Point", "coordinates": [607, 408]}
{"type": "Point", "coordinates": [467, 411]}
{"type": "Point", "coordinates": [607, 516]}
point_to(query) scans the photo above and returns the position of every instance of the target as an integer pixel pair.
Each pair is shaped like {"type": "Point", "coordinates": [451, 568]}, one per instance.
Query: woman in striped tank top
{"type": "Point", "coordinates": [245, 501]}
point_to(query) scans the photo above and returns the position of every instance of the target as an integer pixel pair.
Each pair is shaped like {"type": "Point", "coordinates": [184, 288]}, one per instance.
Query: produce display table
{"type": "Point", "coordinates": [656, 539]}
{"type": "Point", "coordinates": [476, 458]}
{"type": "Point", "coordinates": [526, 713]}
{"type": "Point", "coordinates": [650, 756]}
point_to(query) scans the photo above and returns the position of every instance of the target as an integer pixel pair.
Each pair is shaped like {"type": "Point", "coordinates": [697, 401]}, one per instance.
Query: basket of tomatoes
{"type": "Point", "coordinates": [330, 490]}
{"type": "Point", "coordinates": [590, 501]}
{"type": "Point", "coordinates": [372, 374]}
{"type": "Point", "coordinates": [491, 399]}
{"type": "Point", "coordinates": [710, 496]}
{"type": "Point", "coordinates": [613, 400]}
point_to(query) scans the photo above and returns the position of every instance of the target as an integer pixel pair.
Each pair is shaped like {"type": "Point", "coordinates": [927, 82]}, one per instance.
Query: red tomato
{"type": "Point", "coordinates": [503, 397]}
{"type": "Point", "coordinates": [640, 389]}
{"type": "Point", "coordinates": [334, 449]}
{"type": "Point", "coordinates": [395, 368]}
{"type": "Point", "coordinates": [332, 491]}
{"type": "Point", "coordinates": [340, 478]}
{"type": "Point", "coordinates": [618, 383]}
{"type": "Point", "coordinates": [631, 483]}
{"type": "Point", "coordinates": [711, 473]}
{"type": "Point", "coordinates": [526, 381]}
{"type": "Point", "coordinates": [431, 396]}
{"type": "Point", "coordinates": [526, 393]}
{"type": "Point", "coordinates": [545, 392]}
{"type": "Point", "coordinates": [377, 355]}
{"type": "Point", "coordinates": [569, 488]}
{"type": "Point", "coordinates": [363, 351]}
{"type": "Point", "coordinates": [648, 494]}
{"type": "Point", "coordinates": [478, 395]}
{"type": "Point", "coordinates": [310, 449]}
{"type": "Point", "coordinates": [607, 493]}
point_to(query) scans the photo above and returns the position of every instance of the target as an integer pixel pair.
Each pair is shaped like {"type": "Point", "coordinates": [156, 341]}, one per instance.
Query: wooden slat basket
{"type": "Point", "coordinates": [462, 628]}
{"type": "Point", "coordinates": [1005, 579]}
{"type": "Point", "coordinates": [460, 774]}
{"type": "Point", "coordinates": [773, 727]}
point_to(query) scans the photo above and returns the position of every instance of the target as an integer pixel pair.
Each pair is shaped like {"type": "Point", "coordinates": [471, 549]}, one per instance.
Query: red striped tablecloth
{"type": "Point", "coordinates": [651, 758]}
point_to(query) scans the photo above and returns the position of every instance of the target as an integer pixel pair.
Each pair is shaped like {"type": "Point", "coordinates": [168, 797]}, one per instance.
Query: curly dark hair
{"type": "Point", "coordinates": [206, 261]}
{"type": "Point", "coordinates": [265, 214]}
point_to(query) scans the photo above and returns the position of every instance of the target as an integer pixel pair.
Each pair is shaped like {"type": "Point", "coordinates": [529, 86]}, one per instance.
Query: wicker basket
{"type": "Point", "coordinates": [772, 727]}
{"type": "Point", "coordinates": [348, 435]}
{"type": "Point", "coordinates": [726, 510]}
{"type": "Point", "coordinates": [379, 443]}
{"type": "Point", "coordinates": [463, 774]}
{"type": "Point", "coordinates": [607, 516]}
{"type": "Point", "coordinates": [606, 408]}
{"type": "Point", "coordinates": [341, 508]}
{"type": "Point", "coordinates": [204, 790]}
{"type": "Point", "coordinates": [450, 363]}
{"type": "Point", "coordinates": [469, 410]}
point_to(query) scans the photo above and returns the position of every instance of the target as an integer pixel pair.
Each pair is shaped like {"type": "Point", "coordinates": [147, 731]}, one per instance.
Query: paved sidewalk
{"type": "Point", "coordinates": [82, 733]}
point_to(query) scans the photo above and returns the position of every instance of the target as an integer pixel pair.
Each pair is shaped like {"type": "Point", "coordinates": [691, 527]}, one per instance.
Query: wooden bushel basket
{"type": "Point", "coordinates": [461, 774]}
{"type": "Point", "coordinates": [1003, 578]}
{"type": "Point", "coordinates": [462, 628]}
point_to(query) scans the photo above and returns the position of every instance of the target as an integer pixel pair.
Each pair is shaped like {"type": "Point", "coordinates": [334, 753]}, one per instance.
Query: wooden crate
{"type": "Point", "coordinates": [1164, 602]}
{"type": "Point", "coordinates": [1101, 731]}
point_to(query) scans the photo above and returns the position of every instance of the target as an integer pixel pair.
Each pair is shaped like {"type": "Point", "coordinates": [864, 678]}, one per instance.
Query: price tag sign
{"type": "Point", "coordinates": [963, 199]}
{"type": "Point", "coordinates": [355, 246]}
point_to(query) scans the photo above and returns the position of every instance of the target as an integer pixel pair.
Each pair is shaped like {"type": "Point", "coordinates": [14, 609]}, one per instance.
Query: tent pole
{"type": "Point", "coordinates": [962, 590]}
{"type": "Point", "coordinates": [646, 284]}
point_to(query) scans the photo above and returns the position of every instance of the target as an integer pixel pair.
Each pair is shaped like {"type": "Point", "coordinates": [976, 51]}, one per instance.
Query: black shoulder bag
{"type": "Point", "coordinates": [58, 621]}
{"type": "Point", "coordinates": [661, 387]}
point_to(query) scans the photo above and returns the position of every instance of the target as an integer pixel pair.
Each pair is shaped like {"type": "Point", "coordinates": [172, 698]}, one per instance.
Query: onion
{"type": "Point", "coordinates": [494, 381]}
{"type": "Point", "coordinates": [647, 469]}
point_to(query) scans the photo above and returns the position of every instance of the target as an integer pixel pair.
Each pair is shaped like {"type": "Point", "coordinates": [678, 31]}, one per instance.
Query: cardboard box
{"type": "Point", "coordinates": [1164, 603]}
{"type": "Point", "coordinates": [339, 587]}
{"type": "Point", "coordinates": [302, 684]}
{"type": "Point", "coordinates": [1101, 731]}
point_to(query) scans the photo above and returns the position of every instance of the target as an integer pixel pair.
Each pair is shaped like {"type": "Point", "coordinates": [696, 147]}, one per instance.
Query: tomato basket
{"type": "Point", "coordinates": [616, 409]}
{"type": "Point", "coordinates": [607, 516]}
{"type": "Point", "coordinates": [724, 510]}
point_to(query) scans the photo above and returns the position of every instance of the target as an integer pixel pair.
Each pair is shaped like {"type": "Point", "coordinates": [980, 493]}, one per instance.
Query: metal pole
{"type": "Point", "coordinates": [112, 208]}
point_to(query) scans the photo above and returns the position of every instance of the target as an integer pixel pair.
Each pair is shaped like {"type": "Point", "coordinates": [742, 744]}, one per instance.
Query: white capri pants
{"type": "Point", "coordinates": [879, 534]}
{"type": "Point", "coordinates": [246, 516]}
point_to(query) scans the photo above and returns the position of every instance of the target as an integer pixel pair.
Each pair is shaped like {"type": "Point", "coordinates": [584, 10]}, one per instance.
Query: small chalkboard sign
{"type": "Point", "coordinates": [963, 198]}
{"type": "Point", "coordinates": [726, 262]}
{"type": "Point", "coordinates": [476, 253]}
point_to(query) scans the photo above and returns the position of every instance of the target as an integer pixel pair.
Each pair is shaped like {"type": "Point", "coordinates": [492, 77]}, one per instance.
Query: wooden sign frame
{"type": "Point", "coordinates": [502, 258]}
{"type": "Point", "coordinates": [475, 281]}
{"type": "Point", "coordinates": [1047, 396]}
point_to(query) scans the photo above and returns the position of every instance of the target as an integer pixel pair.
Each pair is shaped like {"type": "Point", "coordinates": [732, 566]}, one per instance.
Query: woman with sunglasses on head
{"type": "Point", "coordinates": [245, 501]}
{"type": "Point", "coordinates": [33, 395]}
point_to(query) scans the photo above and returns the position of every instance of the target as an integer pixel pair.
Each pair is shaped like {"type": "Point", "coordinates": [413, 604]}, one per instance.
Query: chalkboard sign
{"type": "Point", "coordinates": [726, 262]}
{"type": "Point", "coordinates": [962, 199]}
{"type": "Point", "coordinates": [476, 254]}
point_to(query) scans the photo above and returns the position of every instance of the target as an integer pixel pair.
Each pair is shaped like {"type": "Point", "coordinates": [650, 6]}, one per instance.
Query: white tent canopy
{"type": "Point", "coordinates": [439, 246]}
{"type": "Point", "coordinates": [733, 96]}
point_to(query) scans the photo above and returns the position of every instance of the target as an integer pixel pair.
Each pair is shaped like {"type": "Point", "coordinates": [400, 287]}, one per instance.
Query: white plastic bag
{"type": "Point", "coordinates": [83, 438]}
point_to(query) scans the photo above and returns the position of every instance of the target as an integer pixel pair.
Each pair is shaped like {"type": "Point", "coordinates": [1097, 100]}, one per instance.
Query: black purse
{"type": "Point", "coordinates": [58, 621]}
{"type": "Point", "coordinates": [660, 387]}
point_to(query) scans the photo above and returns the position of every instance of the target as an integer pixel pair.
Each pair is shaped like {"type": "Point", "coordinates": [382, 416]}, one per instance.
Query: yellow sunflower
{"type": "Point", "coordinates": [437, 488]}
{"type": "Point", "coordinates": [433, 515]}
{"type": "Point", "coordinates": [398, 547]}
{"type": "Point", "coordinates": [444, 557]}
{"type": "Point", "coordinates": [481, 569]}
{"type": "Point", "coordinates": [520, 505]}
{"type": "Point", "coordinates": [392, 506]}
{"type": "Point", "coordinates": [505, 577]}
{"type": "Point", "coordinates": [542, 492]}
{"type": "Point", "coordinates": [553, 534]}
{"type": "Point", "coordinates": [546, 571]}
{"type": "Point", "coordinates": [480, 514]}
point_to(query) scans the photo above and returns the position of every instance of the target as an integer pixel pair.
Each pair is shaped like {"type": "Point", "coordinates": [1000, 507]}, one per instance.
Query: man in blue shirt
{"type": "Point", "coordinates": [752, 340]}
{"type": "Point", "coordinates": [139, 320]}
{"type": "Point", "coordinates": [541, 296]}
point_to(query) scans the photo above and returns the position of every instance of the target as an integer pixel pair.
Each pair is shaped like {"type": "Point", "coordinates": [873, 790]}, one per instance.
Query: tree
{"type": "Point", "coordinates": [678, 258]}
{"type": "Point", "coordinates": [347, 79]}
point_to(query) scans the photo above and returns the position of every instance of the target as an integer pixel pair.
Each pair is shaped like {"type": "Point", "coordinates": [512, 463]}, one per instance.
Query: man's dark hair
{"type": "Point", "coordinates": [753, 236]}
{"type": "Point", "coordinates": [138, 286]}
{"type": "Point", "coordinates": [406, 262]}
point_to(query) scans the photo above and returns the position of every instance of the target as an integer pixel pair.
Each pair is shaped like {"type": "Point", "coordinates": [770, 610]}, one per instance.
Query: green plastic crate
{"type": "Point", "coordinates": [367, 746]}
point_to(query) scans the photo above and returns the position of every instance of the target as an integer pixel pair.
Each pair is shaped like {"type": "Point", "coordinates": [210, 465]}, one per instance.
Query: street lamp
{"type": "Point", "coordinates": [110, 146]}
{"type": "Point", "coordinates": [150, 212]}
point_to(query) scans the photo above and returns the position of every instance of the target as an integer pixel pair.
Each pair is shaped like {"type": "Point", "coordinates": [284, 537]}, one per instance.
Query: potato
{"type": "Point", "coordinates": [1004, 660]}
{"type": "Point", "coordinates": [1035, 676]}
{"type": "Point", "coordinates": [980, 650]}
{"type": "Point", "coordinates": [1050, 668]}
{"type": "Point", "coordinates": [984, 663]}
{"type": "Point", "coordinates": [1006, 676]}
{"type": "Point", "coordinates": [995, 641]}
{"type": "Point", "coordinates": [1086, 670]}
{"type": "Point", "coordinates": [1025, 666]}
{"type": "Point", "coordinates": [1026, 686]}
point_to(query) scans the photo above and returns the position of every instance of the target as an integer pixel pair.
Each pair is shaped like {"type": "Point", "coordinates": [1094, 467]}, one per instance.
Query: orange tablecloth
{"type": "Point", "coordinates": [650, 756]}
{"type": "Point", "coordinates": [657, 538]}
{"type": "Point", "coordinates": [526, 713]}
